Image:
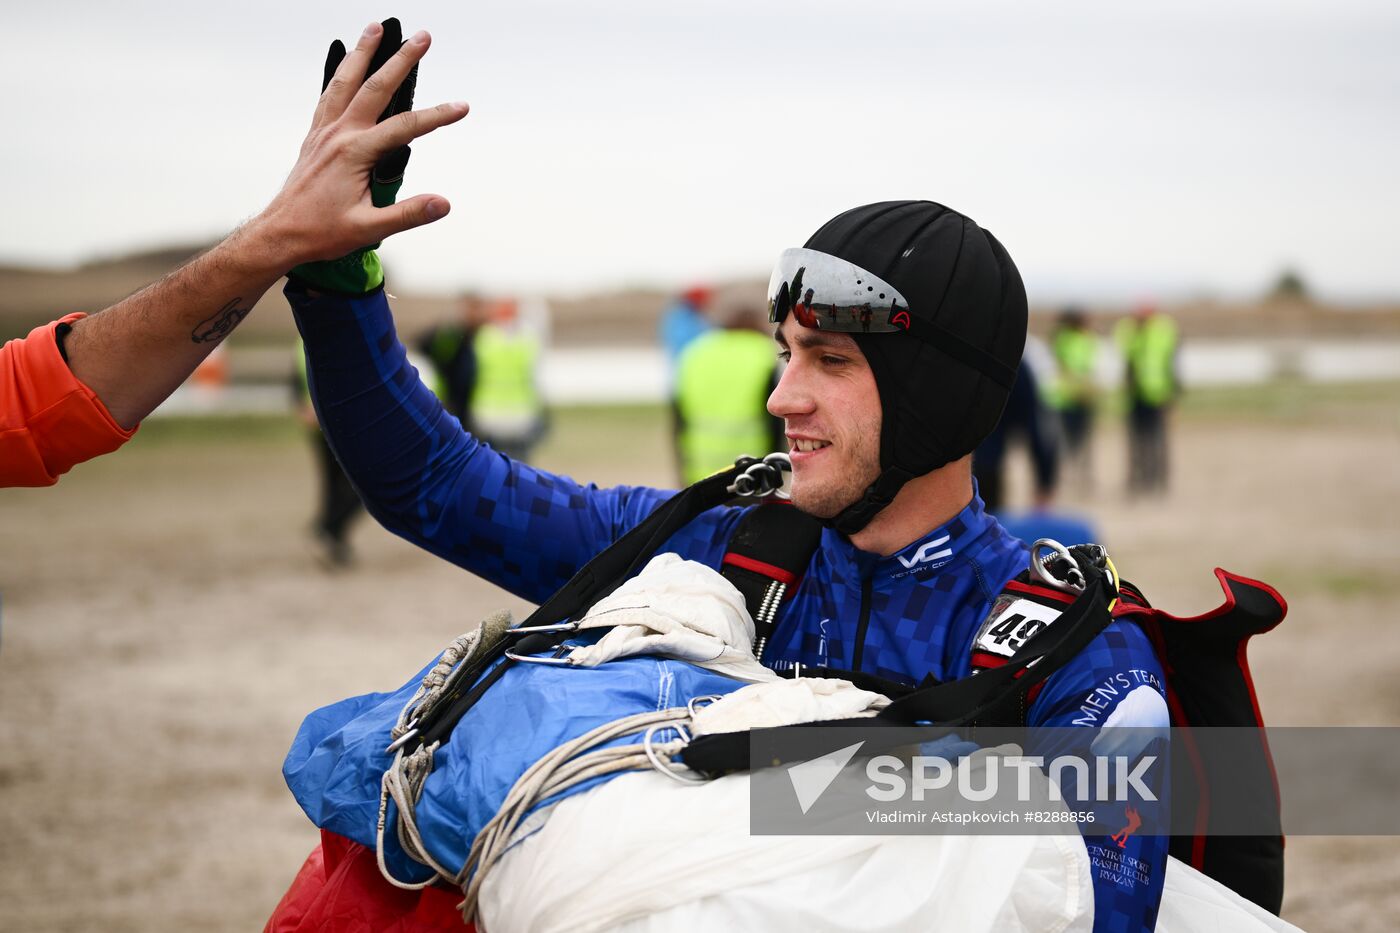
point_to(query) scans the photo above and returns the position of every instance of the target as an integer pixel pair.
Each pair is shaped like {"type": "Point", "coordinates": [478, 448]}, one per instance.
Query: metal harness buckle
{"type": "Point", "coordinates": [1073, 580]}
{"type": "Point", "coordinates": [761, 477]}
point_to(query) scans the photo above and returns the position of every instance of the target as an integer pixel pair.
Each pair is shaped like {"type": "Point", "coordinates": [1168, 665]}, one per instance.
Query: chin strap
{"type": "Point", "coordinates": [881, 493]}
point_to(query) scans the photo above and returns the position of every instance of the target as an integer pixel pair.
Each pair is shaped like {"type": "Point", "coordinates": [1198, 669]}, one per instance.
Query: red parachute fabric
{"type": "Point", "coordinates": [339, 888]}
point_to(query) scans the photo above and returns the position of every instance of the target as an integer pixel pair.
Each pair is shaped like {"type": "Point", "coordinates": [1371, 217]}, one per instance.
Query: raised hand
{"type": "Point", "coordinates": [337, 203]}
{"type": "Point", "coordinates": [387, 175]}
{"type": "Point", "coordinates": [326, 210]}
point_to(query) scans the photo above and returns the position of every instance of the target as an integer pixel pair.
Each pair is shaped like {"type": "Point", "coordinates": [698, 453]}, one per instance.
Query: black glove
{"type": "Point", "coordinates": [387, 176]}
{"type": "Point", "coordinates": [360, 272]}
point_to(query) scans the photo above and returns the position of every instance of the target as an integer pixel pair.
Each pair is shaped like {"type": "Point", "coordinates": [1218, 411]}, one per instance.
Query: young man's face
{"type": "Point", "coordinates": [831, 414]}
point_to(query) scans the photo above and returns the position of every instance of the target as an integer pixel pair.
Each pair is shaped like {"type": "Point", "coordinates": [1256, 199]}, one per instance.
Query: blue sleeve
{"type": "Point", "coordinates": [428, 480]}
{"type": "Point", "coordinates": [1116, 681]}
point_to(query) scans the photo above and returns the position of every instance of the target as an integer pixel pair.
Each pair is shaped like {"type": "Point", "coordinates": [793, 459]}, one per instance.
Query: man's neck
{"type": "Point", "coordinates": [921, 505]}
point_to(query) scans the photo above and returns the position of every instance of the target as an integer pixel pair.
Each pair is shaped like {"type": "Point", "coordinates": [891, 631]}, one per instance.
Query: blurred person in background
{"type": "Point", "coordinates": [1073, 391]}
{"type": "Point", "coordinates": [723, 381]}
{"type": "Point", "coordinates": [682, 321]}
{"type": "Point", "coordinates": [1026, 417]}
{"type": "Point", "coordinates": [507, 410]}
{"type": "Point", "coordinates": [78, 387]}
{"type": "Point", "coordinates": [450, 348]}
{"type": "Point", "coordinates": [1148, 341]}
{"type": "Point", "coordinates": [339, 503]}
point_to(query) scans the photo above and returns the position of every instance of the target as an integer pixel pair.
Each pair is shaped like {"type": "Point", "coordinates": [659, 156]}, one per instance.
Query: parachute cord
{"type": "Point", "coordinates": [403, 780]}
{"type": "Point", "coordinates": [567, 766]}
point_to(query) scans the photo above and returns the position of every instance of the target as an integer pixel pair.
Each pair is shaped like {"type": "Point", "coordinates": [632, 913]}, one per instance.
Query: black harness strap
{"type": "Point", "coordinates": [863, 680]}
{"type": "Point", "coordinates": [767, 557]}
{"type": "Point", "coordinates": [967, 703]}
{"type": "Point", "coordinates": [606, 572]}
{"type": "Point", "coordinates": [596, 579]}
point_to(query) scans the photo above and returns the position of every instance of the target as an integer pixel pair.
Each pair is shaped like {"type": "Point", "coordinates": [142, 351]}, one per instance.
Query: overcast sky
{"type": "Point", "coordinates": [1117, 149]}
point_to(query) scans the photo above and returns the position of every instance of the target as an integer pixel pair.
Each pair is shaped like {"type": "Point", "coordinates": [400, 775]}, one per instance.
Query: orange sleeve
{"type": "Point", "coordinates": [49, 420]}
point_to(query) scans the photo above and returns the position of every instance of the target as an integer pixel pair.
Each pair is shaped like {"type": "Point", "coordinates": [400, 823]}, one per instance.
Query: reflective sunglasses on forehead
{"type": "Point", "coordinates": [824, 292]}
{"type": "Point", "coordinates": [827, 293]}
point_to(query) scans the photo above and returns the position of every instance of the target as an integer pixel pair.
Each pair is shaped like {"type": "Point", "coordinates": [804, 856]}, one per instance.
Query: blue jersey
{"type": "Point", "coordinates": [902, 616]}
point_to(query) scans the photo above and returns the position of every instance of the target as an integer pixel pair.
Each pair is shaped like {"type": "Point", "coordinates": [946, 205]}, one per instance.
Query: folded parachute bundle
{"type": "Point", "coordinates": [338, 761]}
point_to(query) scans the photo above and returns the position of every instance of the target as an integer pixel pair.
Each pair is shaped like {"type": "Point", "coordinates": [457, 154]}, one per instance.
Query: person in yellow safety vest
{"type": "Point", "coordinates": [1073, 392]}
{"type": "Point", "coordinates": [507, 410]}
{"type": "Point", "coordinates": [450, 348]}
{"type": "Point", "coordinates": [723, 380]}
{"type": "Point", "coordinates": [1148, 342]}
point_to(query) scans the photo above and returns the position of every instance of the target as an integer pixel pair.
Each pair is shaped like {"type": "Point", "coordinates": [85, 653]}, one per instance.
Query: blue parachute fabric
{"type": "Point", "coordinates": [337, 759]}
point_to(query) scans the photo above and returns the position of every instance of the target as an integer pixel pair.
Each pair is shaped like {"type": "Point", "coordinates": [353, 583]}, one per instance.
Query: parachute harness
{"type": "Point", "coordinates": [581, 759]}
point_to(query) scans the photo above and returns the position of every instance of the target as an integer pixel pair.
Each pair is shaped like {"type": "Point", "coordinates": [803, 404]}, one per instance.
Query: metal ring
{"type": "Point", "coordinates": [708, 700]}
{"type": "Point", "coordinates": [665, 766]}
{"type": "Point", "coordinates": [765, 478]}
{"type": "Point", "coordinates": [1039, 569]}
{"type": "Point", "coordinates": [761, 478]}
{"type": "Point", "coordinates": [781, 463]}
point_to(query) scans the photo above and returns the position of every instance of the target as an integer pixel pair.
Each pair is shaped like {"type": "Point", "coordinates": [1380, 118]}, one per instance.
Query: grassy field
{"type": "Point", "coordinates": [166, 627]}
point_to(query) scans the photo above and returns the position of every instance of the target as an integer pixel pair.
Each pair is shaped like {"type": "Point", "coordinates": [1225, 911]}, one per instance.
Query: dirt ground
{"type": "Point", "coordinates": [165, 629]}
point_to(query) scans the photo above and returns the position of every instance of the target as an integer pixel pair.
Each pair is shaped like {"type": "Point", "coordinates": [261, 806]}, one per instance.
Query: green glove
{"type": "Point", "coordinates": [360, 272]}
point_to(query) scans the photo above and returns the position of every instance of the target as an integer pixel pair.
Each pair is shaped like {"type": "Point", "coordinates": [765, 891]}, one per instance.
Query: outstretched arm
{"type": "Point", "coordinates": [134, 354]}
{"type": "Point", "coordinates": [426, 479]}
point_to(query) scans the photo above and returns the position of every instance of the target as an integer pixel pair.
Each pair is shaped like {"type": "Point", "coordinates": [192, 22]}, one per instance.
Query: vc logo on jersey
{"type": "Point", "coordinates": [927, 551]}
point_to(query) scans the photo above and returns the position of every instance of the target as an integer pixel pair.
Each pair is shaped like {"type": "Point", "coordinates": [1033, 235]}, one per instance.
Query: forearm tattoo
{"type": "Point", "coordinates": [218, 326]}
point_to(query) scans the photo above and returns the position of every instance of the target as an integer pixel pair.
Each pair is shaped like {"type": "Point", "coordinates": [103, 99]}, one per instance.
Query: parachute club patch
{"type": "Point", "coordinates": [1012, 621]}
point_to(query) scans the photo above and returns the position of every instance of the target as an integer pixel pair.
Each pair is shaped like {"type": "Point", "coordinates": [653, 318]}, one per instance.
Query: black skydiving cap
{"type": "Point", "coordinates": [945, 376]}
